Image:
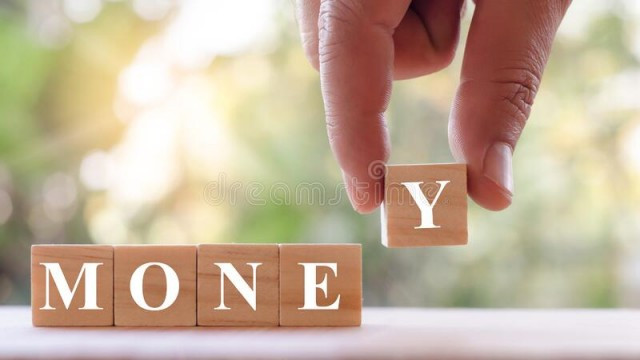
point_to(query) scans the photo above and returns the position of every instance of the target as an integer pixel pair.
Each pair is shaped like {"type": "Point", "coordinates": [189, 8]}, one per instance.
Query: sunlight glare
{"type": "Point", "coordinates": [206, 28]}
{"type": "Point", "coordinates": [82, 11]}
{"type": "Point", "coordinates": [95, 170]}
{"type": "Point", "coordinates": [148, 78]}
{"type": "Point", "coordinates": [145, 163]}
{"type": "Point", "coordinates": [630, 148]}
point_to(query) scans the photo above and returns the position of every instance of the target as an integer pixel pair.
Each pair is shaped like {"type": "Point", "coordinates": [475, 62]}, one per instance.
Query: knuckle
{"type": "Point", "coordinates": [336, 20]}
{"type": "Point", "coordinates": [332, 123]}
{"type": "Point", "coordinates": [516, 89]}
{"type": "Point", "coordinates": [338, 13]}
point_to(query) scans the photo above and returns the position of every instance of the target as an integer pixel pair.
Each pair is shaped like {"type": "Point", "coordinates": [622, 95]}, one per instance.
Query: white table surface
{"type": "Point", "coordinates": [385, 333]}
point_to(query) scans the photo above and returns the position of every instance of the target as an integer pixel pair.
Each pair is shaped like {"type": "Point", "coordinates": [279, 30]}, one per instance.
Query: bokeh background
{"type": "Point", "coordinates": [121, 121]}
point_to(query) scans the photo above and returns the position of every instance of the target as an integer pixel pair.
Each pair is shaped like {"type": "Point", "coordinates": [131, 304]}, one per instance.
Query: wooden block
{"type": "Point", "coordinates": [330, 297]}
{"type": "Point", "coordinates": [246, 302]}
{"type": "Point", "coordinates": [425, 205]}
{"type": "Point", "coordinates": [80, 276]}
{"type": "Point", "coordinates": [155, 285]}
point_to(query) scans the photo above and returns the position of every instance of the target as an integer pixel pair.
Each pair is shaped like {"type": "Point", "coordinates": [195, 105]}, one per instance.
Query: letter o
{"type": "Point", "coordinates": [137, 293]}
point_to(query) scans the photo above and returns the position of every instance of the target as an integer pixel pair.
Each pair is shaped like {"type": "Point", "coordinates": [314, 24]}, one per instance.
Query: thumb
{"type": "Point", "coordinates": [506, 52]}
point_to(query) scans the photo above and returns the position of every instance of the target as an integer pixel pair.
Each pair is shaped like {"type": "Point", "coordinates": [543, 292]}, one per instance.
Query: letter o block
{"type": "Point", "coordinates": [72, 285]}
{"type": "Point", "coordinates": [155, 285]}
{"type": "Point", "coordinates": [320, 284]}
{"type": "Point", "coordinates": [425, 205]}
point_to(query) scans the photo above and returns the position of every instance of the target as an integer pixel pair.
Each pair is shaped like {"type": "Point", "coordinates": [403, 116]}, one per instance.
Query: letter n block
{"type": "Point", "coordinates": [72, 285]}
{"type": "Point", "coordinates": [320, 284]}
{"type": "Point", "coordinates": [425, 205]}
{"type": "Point", "coordinates": [155, 285]}
{"type": "Point", "coordinates": [238, 285]}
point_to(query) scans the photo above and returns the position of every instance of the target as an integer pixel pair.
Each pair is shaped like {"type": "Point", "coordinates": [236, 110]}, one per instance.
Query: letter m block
{"type": "Point", "coordinates": [72, 285]}
{"type": "Point", "coordinates": [425, 205]}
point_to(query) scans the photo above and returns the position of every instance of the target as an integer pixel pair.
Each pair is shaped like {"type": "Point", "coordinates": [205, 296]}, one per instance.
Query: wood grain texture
{"type": "Point", "coordinates": [240, 312]}
{"type": "Point", "coordinates": [182, 258]}
{"type": "Point", "coordinates": [71, 258]}
{"type": "Point", "coordinates": [347, 284]}
{"type": "Point", "coordinates": [400, 215]}
{"type": "Point", "coordinates": [386, 333]}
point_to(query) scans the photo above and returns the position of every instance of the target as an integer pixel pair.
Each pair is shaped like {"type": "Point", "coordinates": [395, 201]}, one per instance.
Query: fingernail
{"type": "Point", "coordinates": [498, 168]}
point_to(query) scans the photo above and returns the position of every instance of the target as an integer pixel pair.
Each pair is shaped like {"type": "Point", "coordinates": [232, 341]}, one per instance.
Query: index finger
{"type": "Point", "coordinates": [356, 54]}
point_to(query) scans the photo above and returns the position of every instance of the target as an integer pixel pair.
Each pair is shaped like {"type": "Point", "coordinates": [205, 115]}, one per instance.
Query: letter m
{"type": "Point", "coordinates": [90, 272]}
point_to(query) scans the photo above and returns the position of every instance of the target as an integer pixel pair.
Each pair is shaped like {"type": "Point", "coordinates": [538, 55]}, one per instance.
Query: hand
{"type": "Point", "coordinates": [360, 46]}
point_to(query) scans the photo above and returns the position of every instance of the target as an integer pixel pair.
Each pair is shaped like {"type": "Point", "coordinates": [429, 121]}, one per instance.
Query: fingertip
{"type": "Point", "coordinates": [364, 196]}
{"type": "Point", "coordinates": [487, 193]}
{"type": "Point", "coordinates": [364, 209]}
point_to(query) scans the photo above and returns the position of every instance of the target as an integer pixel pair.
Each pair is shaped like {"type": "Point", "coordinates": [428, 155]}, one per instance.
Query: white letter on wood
{"type": "Point", "coordinates": [249, 294]}
{"type": "Point", "coordinates": [310, 286]}
{"type": "Point", "coordinates": [173, 286]}
{"type": "Point", "coordinates": [90, 272]}
{"type": "Point", "coordinates": [426, 209]}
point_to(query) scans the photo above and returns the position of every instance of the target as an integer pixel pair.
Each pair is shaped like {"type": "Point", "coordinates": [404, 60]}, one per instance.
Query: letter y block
{"type": "Point", "coordinates": [425, 205]}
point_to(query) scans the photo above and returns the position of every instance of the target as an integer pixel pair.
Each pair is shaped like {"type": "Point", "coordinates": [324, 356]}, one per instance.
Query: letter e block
{"type": "Point", "coordinates": [425, 205]}
{"type": "Point", "coordinates": [320, 284]}
{"type": "Point", "coordinates": [72, 285]}
{"type": "Point", "coordinates": [238, 285]}
{"type": "Point", "coordinates": [155, 285]}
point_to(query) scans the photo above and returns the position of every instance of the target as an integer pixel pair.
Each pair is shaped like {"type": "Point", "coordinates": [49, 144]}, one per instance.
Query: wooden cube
{"type": "Point", "coordinates": [425, 205]}
{"type": "Point", "coordinates": [72, 285]}
{"type": "Point", "coordinates": [238, 285]}
{"type": "Point", "coordinates": [320, 284]}
{"type": "Point", "coordinates": [155, 285]}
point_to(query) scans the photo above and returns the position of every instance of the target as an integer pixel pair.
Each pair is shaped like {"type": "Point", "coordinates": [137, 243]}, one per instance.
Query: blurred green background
{"type": "Point", "coordinates": [123, 122]}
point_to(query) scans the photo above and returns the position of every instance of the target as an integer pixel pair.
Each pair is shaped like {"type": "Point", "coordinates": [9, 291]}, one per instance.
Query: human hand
{"type": "Point", "coordinates": [360, 46]}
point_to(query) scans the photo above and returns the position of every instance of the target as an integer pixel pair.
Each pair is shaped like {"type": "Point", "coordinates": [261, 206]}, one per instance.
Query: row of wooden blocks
{"type": "Point", "coordinates": [204, 285]}
{"type": "Point", "coordinates": [243, 285]}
